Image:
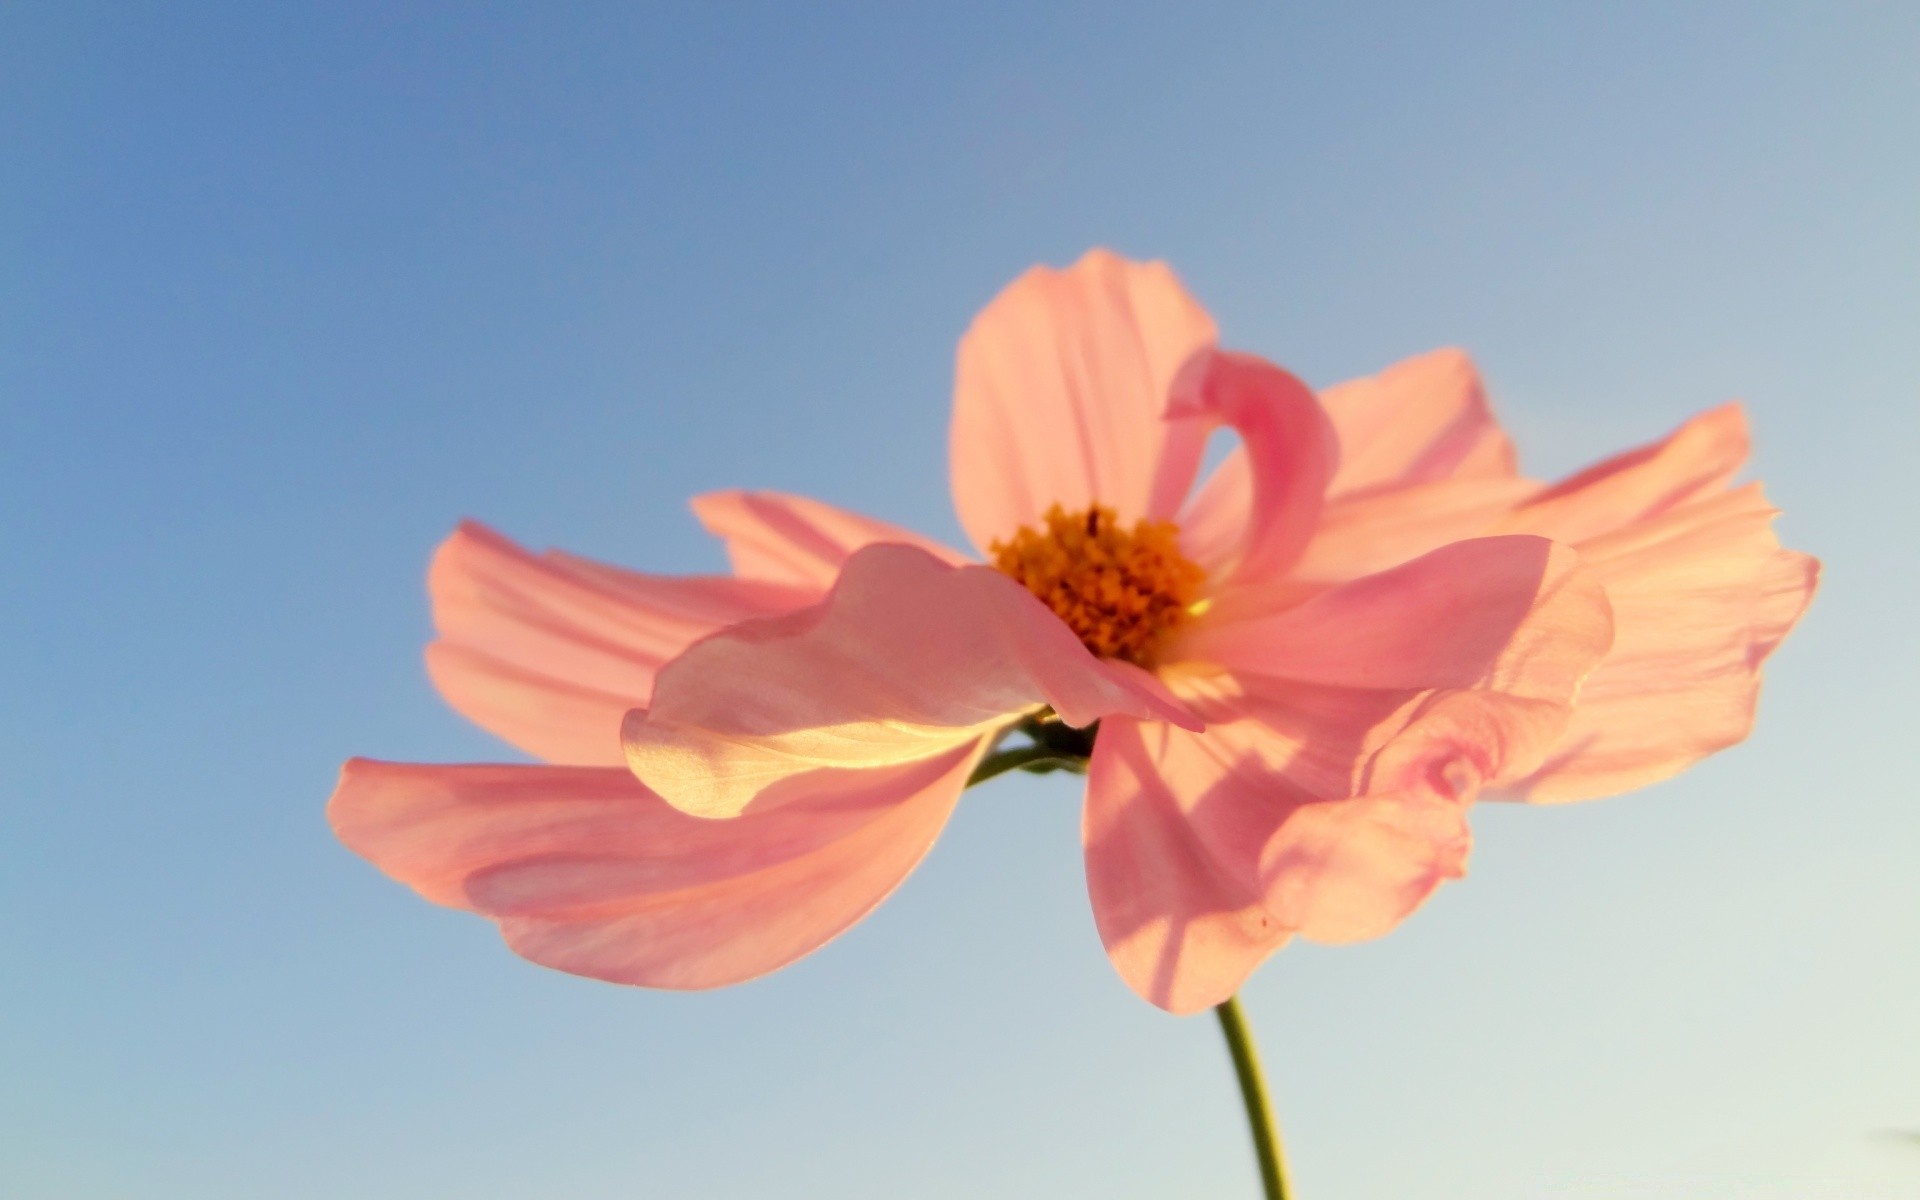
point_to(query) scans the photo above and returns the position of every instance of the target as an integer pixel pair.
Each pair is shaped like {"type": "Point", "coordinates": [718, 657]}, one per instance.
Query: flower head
{"type": "Point", "coordinates": [1120, 590]}
{"type": "Point", "coordinates": [1304, 669]}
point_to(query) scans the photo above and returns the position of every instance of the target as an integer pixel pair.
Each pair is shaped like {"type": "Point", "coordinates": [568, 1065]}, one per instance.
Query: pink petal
{"type": "Point", "coordinates": [796, 541]}
{"type": "Point", "coordinates": [1701, 596]}
{"type": "Point", "coordinates": [1418, 448]}
{"type": "Point", "coordinates": [1512, 613]}
{"type": "Point", "coordinates": [1175, 822]}
{"type": "Point", "coordinates": [1183, 928]}
{"type": "Point", "coordinates": [1331, 812]}
{"type": "Point", "coordinates": [1423, 420]}
{"type": "Point", "coordinates": [588, 872]}
{"type": "Point", "coordinates": [549, 652]}
{"type": "Point", "coordinates": [1347, 870]}
{"type": "Point", "coordinates": [546, 717]}
{"type": "Point", "coordinates": [906, 658]}
{"type": "Point", "coordinates": [1373, 531]}
{"type": "Point", "coordinates": [1694, 461]}
{"type": "Point", "coordinates": [1213, 523]}
{"type": "Point", "coordinates": [1351, 868]}
{"type": "Point", "coordinates": [1290, 455]}
{"type": "Point", "coordinates": [1061, 388]}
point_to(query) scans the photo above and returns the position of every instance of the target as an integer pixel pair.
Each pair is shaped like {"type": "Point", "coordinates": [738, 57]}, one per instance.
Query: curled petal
{"type": "Point", "coordinates": [586, 871]}
{"type": "Point", "coordinates": [1456, 743]}
{"type": "Point", "coordinates": [1290, 456]}
{"type": "Point", "coordinates": [797, 541]}
{"type": "Point", "coordinates": [1060, 396]}
{"type": "Point", "coordinates": [1421, 462]}
{"type": "Point", "coordinates": [1175, 822]}
{"type": "Point", "coordinates": [1329, 812]}
{"type": "Point", "coordinates": [1423, 420]}
{"type": "Point", "coordinates": [1701, 595]}
{"type": "Point", "coordinates": [905, 659]}
{"type": "Point", "coordinates": [550, 651]}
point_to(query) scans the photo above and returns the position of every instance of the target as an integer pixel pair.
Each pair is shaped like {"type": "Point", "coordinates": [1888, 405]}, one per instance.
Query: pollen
{"type": "Point", "coordinates": [1121, 590]}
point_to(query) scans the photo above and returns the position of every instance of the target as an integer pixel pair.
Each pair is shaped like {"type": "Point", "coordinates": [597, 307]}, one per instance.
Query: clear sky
{"type": "Point", "coordinates": [287, 289]}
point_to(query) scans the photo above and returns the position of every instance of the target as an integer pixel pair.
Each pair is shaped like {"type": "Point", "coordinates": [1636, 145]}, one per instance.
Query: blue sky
{"type": "Point", "coordinates": [286, 290]}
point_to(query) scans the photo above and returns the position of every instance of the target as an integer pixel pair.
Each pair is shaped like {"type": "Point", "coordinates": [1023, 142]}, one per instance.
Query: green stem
{"type": "Point", "coordinates": [1002, 761]}
{"type": "Point", "coordinates": [1253, 1090]}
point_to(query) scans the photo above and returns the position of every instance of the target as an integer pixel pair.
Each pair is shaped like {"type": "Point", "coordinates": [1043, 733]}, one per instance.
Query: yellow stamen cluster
{"type": "Point", "coordinates": [1119, 589]}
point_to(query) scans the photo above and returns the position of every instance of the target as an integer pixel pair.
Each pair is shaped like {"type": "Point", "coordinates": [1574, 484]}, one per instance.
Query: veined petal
{"type": "Point", "coordinates": [1182, 928]}
{"type": "Point", "coordinates": [547, 717]}
{"type": "Point", "coordinates": [550, 651]}
{"type": "Point", "coordinates": [1695, 461]}
{"type": "Point", "coordinates": [1348, 870]}
{"type": "Point", "coordinates": [1325, 811]}
{"type": "Point", "coordinates": [906, 658]}
{"type": "Point", "coordinates": [1060, 395]}
{"type": "Point", "coordinates": [1422, 420]}
{"type": "Point", "coordinates": [1515, 613]}
{"type": "Point", "coordinates": [1175, 822]}
{"type": "Point", "coordinates": [797, 541]}
{"type": "Point", "coordinates": [1419, 454]}
{"type": "Point", "coordinates": [1290, 456]}
{"type": "Point", "coordinates": [588, 872]}
{"type": "Point", "coordinates": [1701, 596]}
{"type": "Point", "coordinates": [1373, 531]}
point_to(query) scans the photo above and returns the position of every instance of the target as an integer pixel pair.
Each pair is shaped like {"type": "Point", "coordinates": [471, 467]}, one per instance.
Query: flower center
{"type": "Point", "coordinates": [1119, 589]}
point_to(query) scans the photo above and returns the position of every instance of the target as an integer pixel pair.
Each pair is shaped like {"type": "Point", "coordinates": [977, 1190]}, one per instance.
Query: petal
{"type": "Point", "coordinates": [1515, 613]}
{"type": "Point", "coordinates": [1330, 812]}
{"type": "Point", "coordinates": [1361, 534]}
{"type": "Point", "coordinates": [588, 872]}
{"type": "Point", "coordinates": [1290, 456]}
{"type": "Point", "coordinates": [1693, 462]}
{"type": "Point", "coordinates": [1418, 451]}
{"type": "Point", "coordinates": [1458, 742]}
{"type": "Point", "coordinates": [1182, 928]}
{"type": "Point", "coordinates": [1419, 421]}
{"type": "Point", "coordinates": [906, 658]}
{"type": "Point", "coordinates": [1175, 822]}
{"type": "Point", "coordinates": [1701, 596]}
{"type": "Point", "coordinates": [1213, 524]}
{"type": "Point", "coordinates": [794, 540]}
{"type": "Point", "coordinates": [1060, 392]}
{"type": "Point", "coordinates": [1347, 870]}
{"type": "Point", "coordinates": [550, 651]}
{"type": "Point", "coordinates": [546, 717]}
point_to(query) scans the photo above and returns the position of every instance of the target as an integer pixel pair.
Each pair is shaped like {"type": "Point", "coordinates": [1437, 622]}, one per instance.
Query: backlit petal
{"type": "Point", "coordinates": [1331, 812]}
{"type": "Point", "coordinates": [1418, 451]}
{"type": "Point", "coordinates": [1183, 928]}
{"type": "Point", "coordinates": [1701, 596]}
{"type": "Point", "coordinates": [1515, 613]}
{"type": "Point", "coordinates": [1373, 531]}
{"type": "Point", "coordinates": [1290, 456]}
{"type": "Point", "coordinates": [588, 872]}
{"type": "Point", "coordinates": [1422, 420]}
{"type": "Point", "coordinates": [1061, 393]}
{"type": "Point", "coordinates": [795, 540]}
{"type": "Point", "coordinates": [1693, 462]}
{"type": "Point", "coordinates": [1347, 870]}
{"type": "Point", "coordinates": [906, 658]}
{"type": "Point", "coordinates": [549, 651]}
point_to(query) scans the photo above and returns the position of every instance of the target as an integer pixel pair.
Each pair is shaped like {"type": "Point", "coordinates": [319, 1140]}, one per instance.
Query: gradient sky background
{"type": "Point", "coordinates": [287, 289]}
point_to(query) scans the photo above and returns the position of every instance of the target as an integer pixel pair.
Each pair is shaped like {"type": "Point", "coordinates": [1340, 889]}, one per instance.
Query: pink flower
{"type": "Point", "coordinates": [1304, 671]}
